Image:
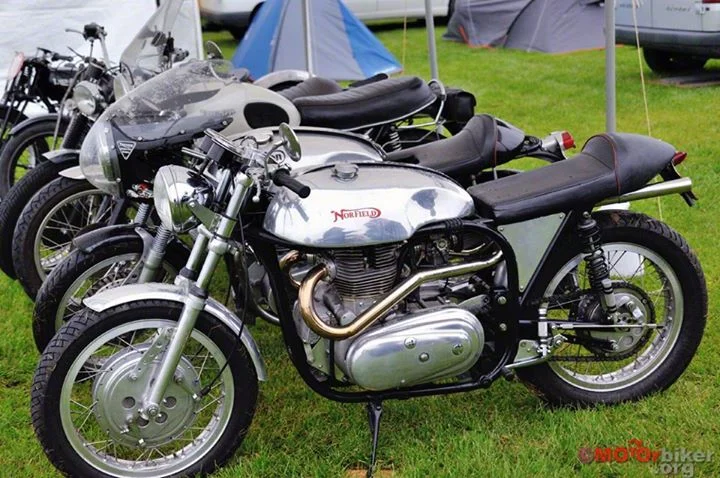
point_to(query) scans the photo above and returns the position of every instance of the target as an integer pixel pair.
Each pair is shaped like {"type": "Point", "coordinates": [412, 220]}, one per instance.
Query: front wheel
{"type": "Point", "coordinates": [83, 274]}
{"type": "Point", "coordinates": [23, 152]}
{"type": "Point", "coordinates": [661, 295]}
{"type": "Point", "coordinates": [90, 383]}
{"type": "Point", "coordinates": [44, 231]}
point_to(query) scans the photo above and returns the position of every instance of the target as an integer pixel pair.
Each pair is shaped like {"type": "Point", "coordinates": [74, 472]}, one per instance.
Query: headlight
{"type": "Point", "coordinates": [87, 97]}
{"type": "Point", "coordinates": [173, 188]}
{"type": "Point", "coordinates": [98, 162]}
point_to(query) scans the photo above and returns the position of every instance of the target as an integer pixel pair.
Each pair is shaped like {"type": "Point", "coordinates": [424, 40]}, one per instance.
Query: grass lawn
{"type": "Point", "coordinates": [506, 430]}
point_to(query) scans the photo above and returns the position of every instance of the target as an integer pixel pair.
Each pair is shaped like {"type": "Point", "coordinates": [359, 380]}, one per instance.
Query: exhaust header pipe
{"type": "Point", "coordinates": [381, 307]}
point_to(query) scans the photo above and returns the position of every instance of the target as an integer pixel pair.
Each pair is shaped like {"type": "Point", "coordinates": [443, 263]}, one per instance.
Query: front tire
{"type": "Point", "coordinates": [13, 204]}
{"type": "Point", "coordinates": [74, 407]}
{"type": "Point", "coordinates": [45, 229]}
{"type": "Point", "coordinates": [23, 152]}
{"type": "Point", "coordinates": [83, 274]}
{"type": "Point", "coordinates": [656, 268]}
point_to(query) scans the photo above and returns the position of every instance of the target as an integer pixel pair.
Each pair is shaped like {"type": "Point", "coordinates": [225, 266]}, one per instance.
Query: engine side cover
{"type": "Point", "coordinates": [419, 348]}
{"type": "Point", "coordinates": [365, 204]}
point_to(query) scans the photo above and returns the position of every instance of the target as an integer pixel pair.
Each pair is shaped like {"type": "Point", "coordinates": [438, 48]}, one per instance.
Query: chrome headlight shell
{"type": "Point", "coordinates": [99, 160]}
{"type": "Point", "coordinates": [174, 188]}
{"type": "Point", "coordinates": [88, 98]}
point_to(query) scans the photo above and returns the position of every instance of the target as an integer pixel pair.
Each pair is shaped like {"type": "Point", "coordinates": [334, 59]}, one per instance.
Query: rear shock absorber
{"type": "Point", "coordinates": [153, 259]}
{"type": "Point", "coordinates": [394, 140]}
{"type": "Point", "coordinates": [597, 268]}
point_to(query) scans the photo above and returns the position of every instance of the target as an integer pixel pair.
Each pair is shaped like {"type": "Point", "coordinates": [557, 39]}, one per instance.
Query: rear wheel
{"type": "Point", "coordinates": [45, 230]}
{"type": "Point", "coordinates": [23, 152]}
{"type": "Point", "coordinates": [83, 274]}
{"type": "Point", "coordinates": [90, 385]}
{"type": "Point", "coordinates": [658, 283]}
{"type": "Point", "coordinates": [666, 62]}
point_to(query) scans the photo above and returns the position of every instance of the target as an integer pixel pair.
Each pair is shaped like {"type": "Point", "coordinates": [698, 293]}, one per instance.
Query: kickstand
{"type": "Point", "coordinates": [374, 410]}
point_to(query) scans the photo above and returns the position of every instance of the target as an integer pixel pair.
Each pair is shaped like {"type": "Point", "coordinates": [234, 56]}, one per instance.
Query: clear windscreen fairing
{"type": "Point", "coordinates": [145, 56]}
{"type": "Point", "coordinates": [184, 100]}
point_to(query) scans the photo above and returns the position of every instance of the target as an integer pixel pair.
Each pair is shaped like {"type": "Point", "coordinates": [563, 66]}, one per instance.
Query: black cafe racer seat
{"type": "Point", "coordinates": [609, 165]}
{"type": "Point", "coordinates": [468, 152]}
{"type": "Point", "coordinates": [313, 86]}
{"type": "Point", "coordinates": [368, 105]}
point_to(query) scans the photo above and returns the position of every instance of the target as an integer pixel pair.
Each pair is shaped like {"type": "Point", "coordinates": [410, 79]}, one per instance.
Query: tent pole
{"type": "Point", "coordinates": [308, 37]}
{"type": "Point", "coordinates": [610, 87]}
{"type": "Point", "coordinates": [430, 24]}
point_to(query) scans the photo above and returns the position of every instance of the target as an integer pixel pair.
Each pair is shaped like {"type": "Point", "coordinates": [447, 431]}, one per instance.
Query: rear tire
{"type": "Point", "coordinates": [667, 62]}
{"type": "Point", "coordinates": [13, 204]}
{"type": "Point", "coordinates": [31, 140]}
{"type": "Point", "coordinates": [65, 443]}
{"type": "Point", "coordinates": [31, 236]}
{"type": "Point", "coordinates": [662, 365]}
{"type": "Point", "coordinates": [47, 318]}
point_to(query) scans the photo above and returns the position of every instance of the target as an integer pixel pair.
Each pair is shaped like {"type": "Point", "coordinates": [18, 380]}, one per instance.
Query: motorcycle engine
{"type": "Point", "coordinates": [421, 340]}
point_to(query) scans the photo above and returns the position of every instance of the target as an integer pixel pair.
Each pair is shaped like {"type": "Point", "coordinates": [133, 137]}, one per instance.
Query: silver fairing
{"type": "Point", "coordinates": [378, 204]}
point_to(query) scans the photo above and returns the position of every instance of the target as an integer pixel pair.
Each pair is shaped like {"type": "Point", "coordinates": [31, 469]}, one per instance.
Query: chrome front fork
{"type": "Point", "coordinates": [216, 247]}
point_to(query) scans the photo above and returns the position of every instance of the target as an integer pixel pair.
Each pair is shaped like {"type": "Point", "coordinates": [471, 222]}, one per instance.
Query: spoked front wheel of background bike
{"type": "Point", "coordinates": [23, 152]}
{"type": "Point", "coordinates": [83, 274]}
{"type": "Point", "coordinates": [658, 283]}
{"type": "Point", "coordinates": [45, 229]}
{"type": "Point", "coordinates": [89, 386]}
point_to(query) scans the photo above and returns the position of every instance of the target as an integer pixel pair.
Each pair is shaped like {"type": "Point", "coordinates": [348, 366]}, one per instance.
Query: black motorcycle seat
{"type": "Point", "coordinates": [468, 152]}
{"type": "Point", "coordinates": [314, 86]}
{"type": "Point", "coordinates": [609, 165]}
{"type": "Point", "coordinates": [367, 105]}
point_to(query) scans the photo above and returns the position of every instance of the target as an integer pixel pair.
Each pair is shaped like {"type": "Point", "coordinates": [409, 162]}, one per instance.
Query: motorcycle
{"type": "Point", "coordinates": [166, 113]}
{"type": "Point", "coordinates": [91, 92]}
{"type": "Point", "coordinates": [30, 140]}
{"type": "Point", "coordinates": [420, 287]}
{"type": "Point", "coordinates": [136, 253]}
{"type": "Point", "coordinates": [41, 79]}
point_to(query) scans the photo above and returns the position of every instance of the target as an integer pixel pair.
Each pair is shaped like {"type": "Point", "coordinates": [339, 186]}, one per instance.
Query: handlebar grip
{"type": "Point", "coordinates": [283, 178]}
{"type": "Point", "coordinates": [58, 56]}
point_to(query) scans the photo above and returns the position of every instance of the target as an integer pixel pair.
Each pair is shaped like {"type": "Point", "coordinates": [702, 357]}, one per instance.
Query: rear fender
{"type": "Point", "coordinates": [136, 292]}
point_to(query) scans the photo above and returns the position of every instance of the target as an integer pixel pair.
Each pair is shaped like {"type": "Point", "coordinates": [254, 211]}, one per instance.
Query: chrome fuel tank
{"type": "Point", "coordinates": [353, 205]}
{"type": "Point", "coordinates": [319, 146]}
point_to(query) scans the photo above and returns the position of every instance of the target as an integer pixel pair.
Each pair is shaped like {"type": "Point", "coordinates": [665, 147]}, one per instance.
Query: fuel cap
{"type": "Point", "coordinates": [345, 171]}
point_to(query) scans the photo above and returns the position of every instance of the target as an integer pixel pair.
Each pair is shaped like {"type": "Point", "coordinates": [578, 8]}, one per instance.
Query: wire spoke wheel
{"type": "Point", "coordinates": [53, 240]}
{"type": "Point", "coordinates": [648, 292]}
{"type": "Point", "coordinates": [103, 390]}
{"type": "Point", "coordinates": [107, 274]}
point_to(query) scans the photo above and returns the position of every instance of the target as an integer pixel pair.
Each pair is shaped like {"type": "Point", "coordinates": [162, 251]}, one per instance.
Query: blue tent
{"type": "Point", "coordinates": [340, 46]}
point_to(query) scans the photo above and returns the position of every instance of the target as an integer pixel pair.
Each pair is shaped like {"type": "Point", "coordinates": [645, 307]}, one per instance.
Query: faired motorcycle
{"type": "Point", "coordinates": [417, 287]}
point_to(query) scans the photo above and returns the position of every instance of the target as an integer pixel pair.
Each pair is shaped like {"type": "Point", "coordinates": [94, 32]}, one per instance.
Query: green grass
{"type": "Point", "coordinates": [506, 430]}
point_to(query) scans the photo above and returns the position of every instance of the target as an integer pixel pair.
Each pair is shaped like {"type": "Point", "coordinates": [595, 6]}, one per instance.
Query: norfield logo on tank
{"type": "Point", "coordinates": [663, 461]}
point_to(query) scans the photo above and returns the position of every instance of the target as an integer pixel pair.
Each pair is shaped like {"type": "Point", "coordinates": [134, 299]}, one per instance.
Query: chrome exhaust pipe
{"type": "Point", "coordinates": [382, 306]}
{"type": "Point", "coordinates": [676, 186]}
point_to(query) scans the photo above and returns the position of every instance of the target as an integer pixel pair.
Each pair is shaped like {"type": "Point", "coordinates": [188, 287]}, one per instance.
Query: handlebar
{"type": "Point", "coordinates": [283, 178]}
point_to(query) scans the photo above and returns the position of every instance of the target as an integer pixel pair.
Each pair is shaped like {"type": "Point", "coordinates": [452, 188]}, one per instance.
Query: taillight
{"type": "Point", "coordinates": [568, 142]}
{"type": "Point", "coordinates": [710, 1]}
{"type": "Point", "coordinates": [680, 155]}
